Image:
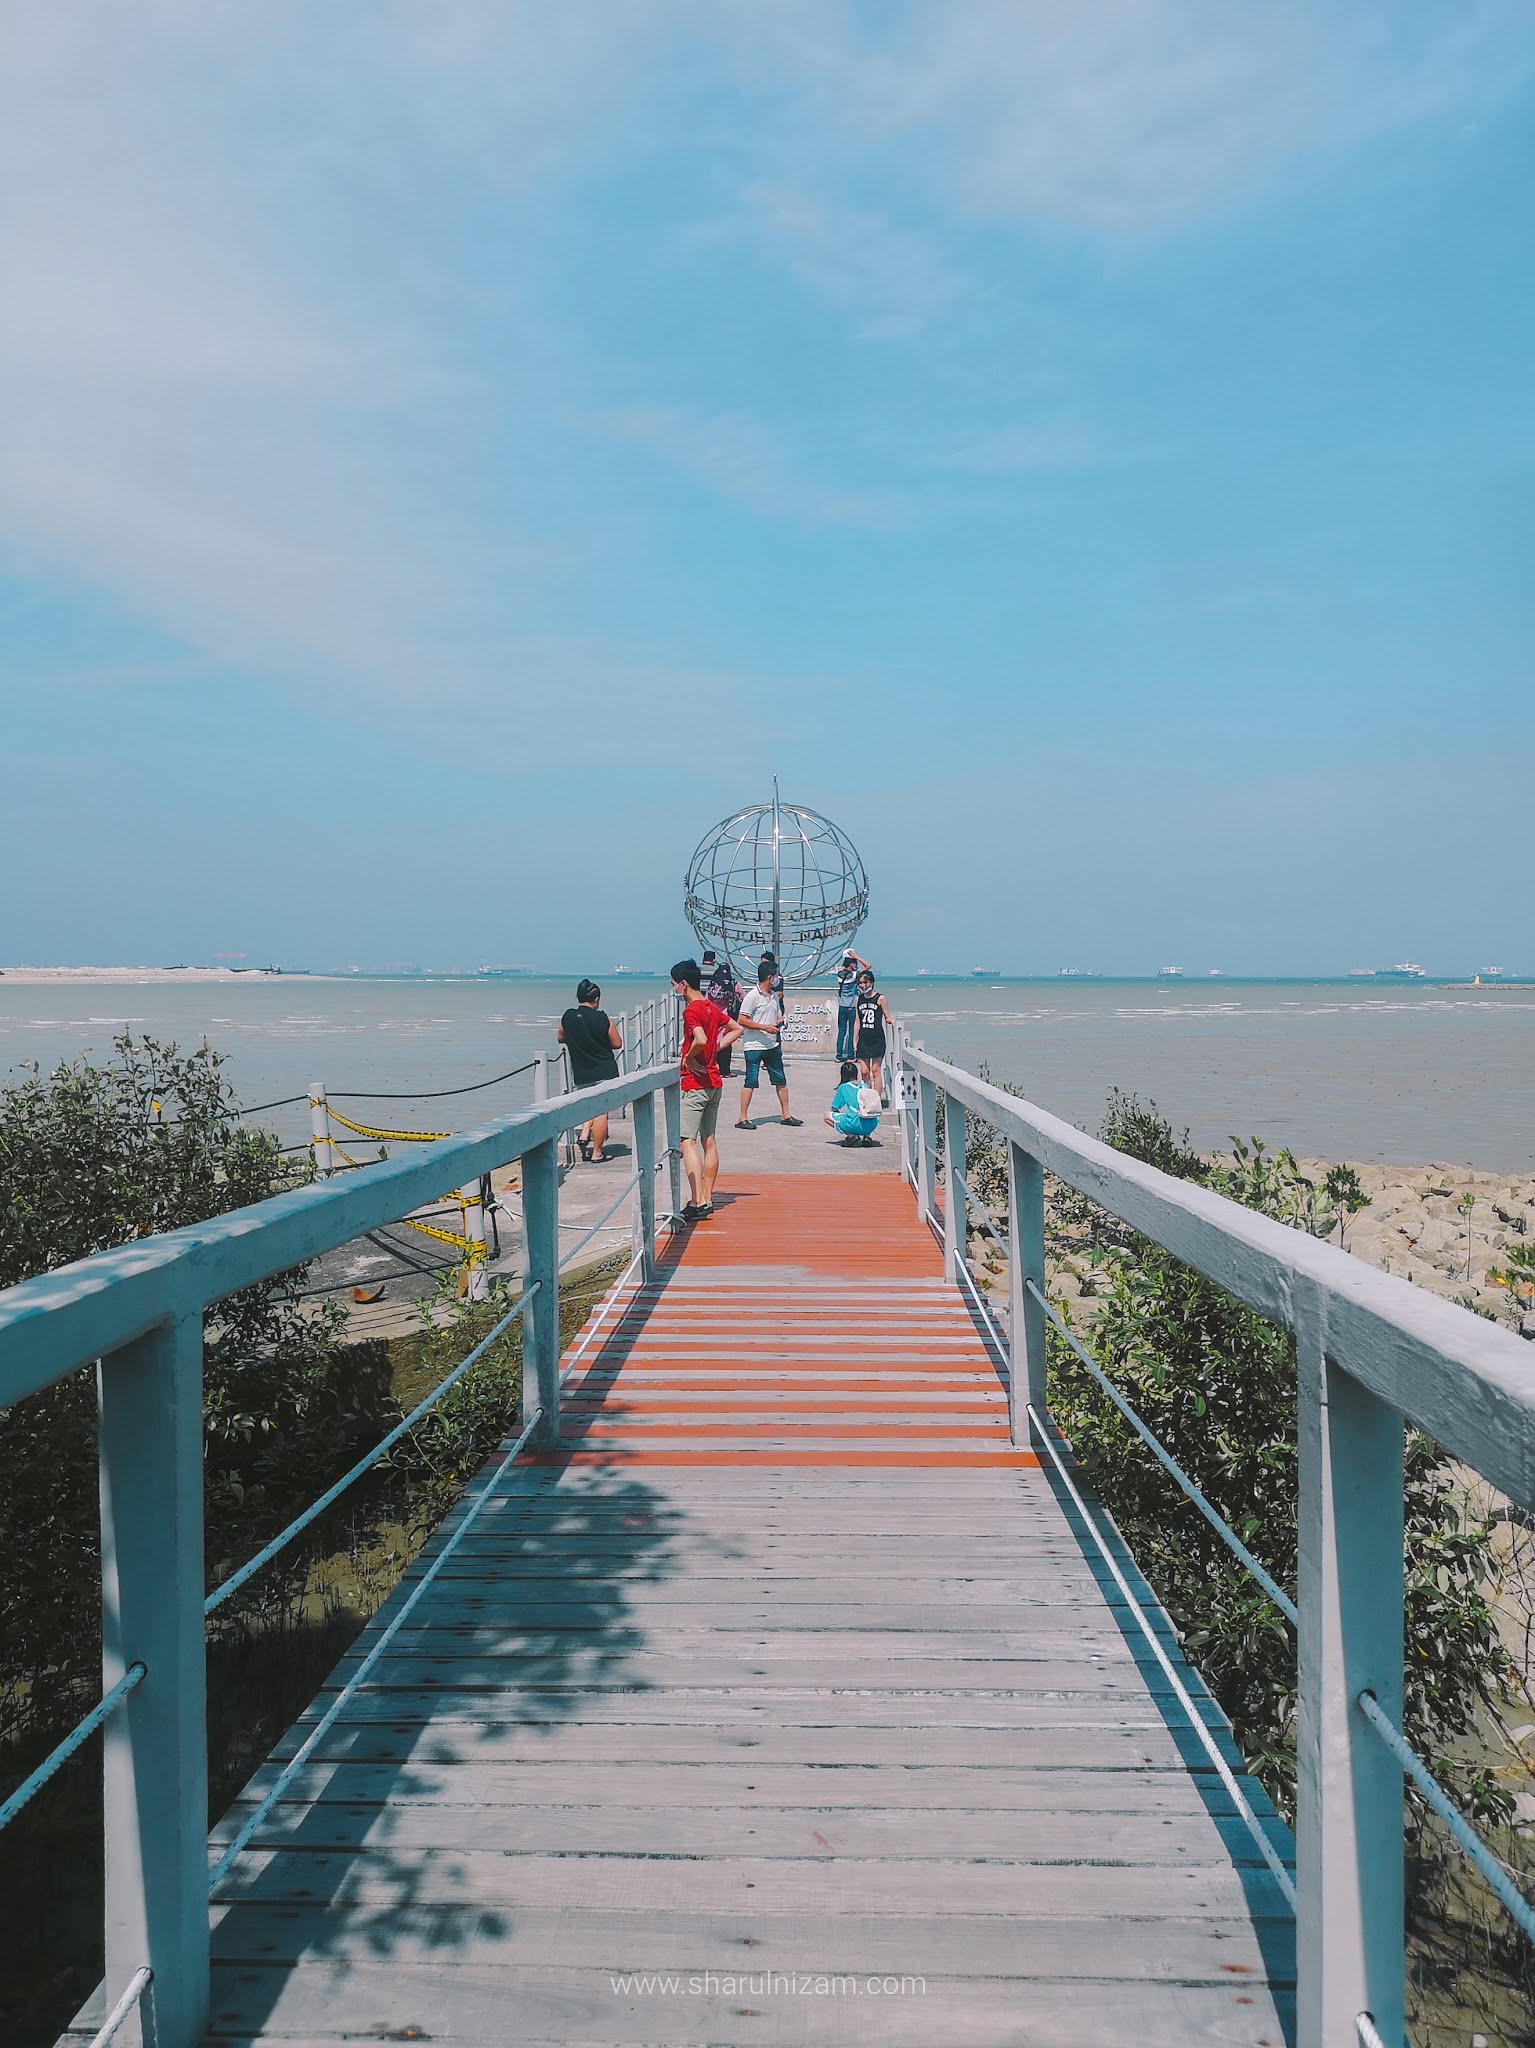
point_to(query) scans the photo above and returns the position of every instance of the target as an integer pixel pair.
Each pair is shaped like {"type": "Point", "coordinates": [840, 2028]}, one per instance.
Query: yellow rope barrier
{"type": "Point", "coordinates": [464, 1244]}
{"type": "Point", "coordinates": [460, 1242]}
{"type": "Point", "coordinates": [368, 1130]}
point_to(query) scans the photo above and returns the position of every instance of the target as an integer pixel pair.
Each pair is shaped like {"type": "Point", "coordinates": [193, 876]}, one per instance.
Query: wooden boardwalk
{"type": "Point", "coordinates": [788, 1704]}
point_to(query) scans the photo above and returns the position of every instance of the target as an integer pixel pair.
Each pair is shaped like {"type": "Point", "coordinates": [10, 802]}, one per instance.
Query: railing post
{"type": "Point", "coordinates": [155, 1748]}
{"type": "Point", "coordinates": [319, 1131]}
{"type": "Point", "coordinates": [954, 1205]}
{"type": "Point", "coordinates": [1026, 1317]}
{"type": "Point", "coordinates": [650, 1032]}
{"type": "Point", "coordinates": [1348, 1832]}
{"type": "Point", "coordinates": [541, 1324]}
{"type": "Point", "coordinates": [898, 1092]}
{"type": "Point", "coordinates": [927, 1146]}
{"type": "Point", "coordinates": [671, 1100]}
{"type": "Point", "coordinates": [540, 1077]}
{"type": "Point", "coordinates": [474, 1230]}
{"type": "Point", "coordinates": [645, 1166]}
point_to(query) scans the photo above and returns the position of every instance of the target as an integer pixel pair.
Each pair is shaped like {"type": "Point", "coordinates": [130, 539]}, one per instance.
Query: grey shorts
{"type": "Point", "coordinates": [700, 1112]}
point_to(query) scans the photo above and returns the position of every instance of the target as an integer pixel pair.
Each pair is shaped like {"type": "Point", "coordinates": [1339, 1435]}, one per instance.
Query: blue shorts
{"type": "Point", "coordinates": [771, 1057]}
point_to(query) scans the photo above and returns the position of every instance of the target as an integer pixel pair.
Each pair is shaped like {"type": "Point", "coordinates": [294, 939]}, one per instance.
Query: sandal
{"type": "Point", "coordinates": [746, 1127]}
{"type": "Point", "coordinates": [798, 1122]}
{"type": "Point", "coordinates": [585, 1144]}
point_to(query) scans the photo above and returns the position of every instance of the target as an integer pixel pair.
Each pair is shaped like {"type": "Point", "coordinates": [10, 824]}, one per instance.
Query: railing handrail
{"type": "Point", "coordinates": [1464, 1380]}
{"type": "Point", "coordinates": [61, 1320]}
{"type": "Point", "coordinates": [1371, 1352]}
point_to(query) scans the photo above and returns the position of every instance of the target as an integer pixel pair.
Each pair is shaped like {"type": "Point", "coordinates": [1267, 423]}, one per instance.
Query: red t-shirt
{"type": "Point", "coordinates": [713, 1019]}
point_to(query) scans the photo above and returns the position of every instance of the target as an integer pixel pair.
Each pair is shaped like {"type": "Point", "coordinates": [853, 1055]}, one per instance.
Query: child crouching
{"type": "Point", "coordinates": [851, 1108]}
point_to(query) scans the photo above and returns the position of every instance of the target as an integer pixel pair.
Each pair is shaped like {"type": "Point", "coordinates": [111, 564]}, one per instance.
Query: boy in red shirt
{"type": "Point", "coordinates": [705, 1028]}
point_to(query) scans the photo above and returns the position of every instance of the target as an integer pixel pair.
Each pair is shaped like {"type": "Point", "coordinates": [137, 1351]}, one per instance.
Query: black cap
{"type": "Point", "coordinates": [709, 954]}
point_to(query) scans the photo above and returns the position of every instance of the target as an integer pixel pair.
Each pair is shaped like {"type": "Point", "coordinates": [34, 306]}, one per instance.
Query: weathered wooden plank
{"type": "Point", "coordinates": [1049, 1635]}
{"type": "Point", "coordinates": [447, 2000]}
{"type": "Point", "coordinates": [1179, 1951]}
{"type": "Point", "coordinates": [613, 1668]}
{"type": "Point", "coordinates": [751, 1784]}
{"type": "Point", "coordinates": [924, 1888]}
{"type": "Point", "coordinates": [736, 1607]}
{"type": "Point", "coordinates": [404, 1829]}
{"type": "Point", "coordinates": [1046, 1736]}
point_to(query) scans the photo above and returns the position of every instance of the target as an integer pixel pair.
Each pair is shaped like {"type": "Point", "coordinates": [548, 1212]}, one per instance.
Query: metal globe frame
{"type": "Point", "coordinates": [781, 876]}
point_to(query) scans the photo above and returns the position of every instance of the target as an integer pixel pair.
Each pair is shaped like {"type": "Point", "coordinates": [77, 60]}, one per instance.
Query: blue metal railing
{"type": "Point", "coordinates": [332, 1713]}
{"type": "Point", "coordinates": [1159, 1450]}
{"type": "Point", "coordinates": [332, 1494]}
{"type": "Point", "coordinates": [81, 1733]}
{"type": "Point", "coordinates": [1372, 1352]}
{"type": "Point", "coordinates": [139, 1311]}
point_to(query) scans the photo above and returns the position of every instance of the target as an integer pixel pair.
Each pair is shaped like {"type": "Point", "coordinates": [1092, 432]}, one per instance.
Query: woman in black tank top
{"type": "Point", "coordinates": [872, 1019]}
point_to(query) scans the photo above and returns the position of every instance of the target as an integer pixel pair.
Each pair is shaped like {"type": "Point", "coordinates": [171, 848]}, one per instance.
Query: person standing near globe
{"type": "Point", "coordinates": [704, 1027]}
{"type": "Point", "coordinates": [719, 985]}
{"type": "Point", "coordinates": [873, 1016]}
{"type": "Point", "coordinates": [847, 1002]}
{"type": "Point", "coordinates": [762, 1022]}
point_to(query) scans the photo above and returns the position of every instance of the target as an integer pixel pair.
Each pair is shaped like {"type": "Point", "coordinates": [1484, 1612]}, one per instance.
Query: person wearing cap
{"type": "Point", "coordinates": [847, 1003]}
{"type": "Point", "coordinates": [762, 1022]}
{"type": "Point", "coordinates": [719, 985]}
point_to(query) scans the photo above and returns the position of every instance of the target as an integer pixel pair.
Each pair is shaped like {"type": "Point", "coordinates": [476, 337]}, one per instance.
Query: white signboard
{"type": "Point", "coordinates": [811, 1024]}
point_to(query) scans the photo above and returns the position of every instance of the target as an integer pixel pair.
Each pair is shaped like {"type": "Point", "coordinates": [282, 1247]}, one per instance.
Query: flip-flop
{"type": "Point", "coordinates": [746, 1127]}
{"type": "Point", "coordinates": [797, 1121]}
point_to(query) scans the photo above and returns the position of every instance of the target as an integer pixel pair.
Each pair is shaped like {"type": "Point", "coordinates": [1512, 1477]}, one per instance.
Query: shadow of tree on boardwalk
{"type": "Point", "coordinates": [396, 1840]}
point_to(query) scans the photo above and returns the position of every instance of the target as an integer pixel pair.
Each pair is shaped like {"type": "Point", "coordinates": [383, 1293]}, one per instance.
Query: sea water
{"type": "Point", "coordinates": [1406, 1073]}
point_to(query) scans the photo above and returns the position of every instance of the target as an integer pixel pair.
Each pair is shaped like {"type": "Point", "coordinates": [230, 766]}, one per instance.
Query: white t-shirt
{"type": "Point", "coordinates": [758, 1009]}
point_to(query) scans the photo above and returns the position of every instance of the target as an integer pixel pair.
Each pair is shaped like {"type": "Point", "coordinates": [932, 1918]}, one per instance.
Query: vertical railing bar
{"type": "Point", "coordinates": [319, 1128]}
{"type": "Point", "coordinates": [954, 1207]}
{"type": "Point", "coordinates": [645, 1190]}
{"type": "Point", "coordinates": [1349, 1592]}
{"type": "Point", "coordinates": [155, 1751]}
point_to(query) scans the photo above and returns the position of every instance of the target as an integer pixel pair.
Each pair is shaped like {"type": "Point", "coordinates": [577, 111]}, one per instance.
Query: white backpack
{"type": "Point", "coordinates": [869, 1102]}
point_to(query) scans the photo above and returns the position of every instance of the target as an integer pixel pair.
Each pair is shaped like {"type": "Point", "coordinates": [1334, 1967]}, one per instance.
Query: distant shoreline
{"type": "Point", "coordinates": [23, 976]}
{"type": "Point", "coordinates": [53, 976]}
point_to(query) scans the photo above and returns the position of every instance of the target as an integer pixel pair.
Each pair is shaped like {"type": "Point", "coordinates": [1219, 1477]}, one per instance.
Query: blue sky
{"type": "Point", "coordinates": [454, 452]}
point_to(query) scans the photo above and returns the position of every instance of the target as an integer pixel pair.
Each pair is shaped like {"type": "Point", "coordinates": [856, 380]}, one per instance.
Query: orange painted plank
{"type": "Point", "coordinates": [736, 1299]}
{"type": "Point", "coordinates": [977, 1461]}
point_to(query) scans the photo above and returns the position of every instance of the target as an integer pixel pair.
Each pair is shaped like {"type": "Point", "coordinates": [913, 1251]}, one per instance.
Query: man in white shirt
{"type": "Point", "coordinates": [762, 1017]}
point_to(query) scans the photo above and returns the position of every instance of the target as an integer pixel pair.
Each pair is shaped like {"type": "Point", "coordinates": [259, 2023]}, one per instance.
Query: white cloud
{"type": "Point", "coordinates": [887, 281]}
{"type": "Point", "coordinates": [224, 394]}
{"type": "Point", "coordinates": [233, 393]}
{"type": "Point", "coordinates": [1046, 444]}
{"type": "Point", "coordinates": [737, 457]}
{"type": "Point", "coordinates": [1137, 114]}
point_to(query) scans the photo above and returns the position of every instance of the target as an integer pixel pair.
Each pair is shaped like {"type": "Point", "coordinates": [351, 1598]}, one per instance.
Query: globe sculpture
{"type": "Point", "coordinates": [781, 876]}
